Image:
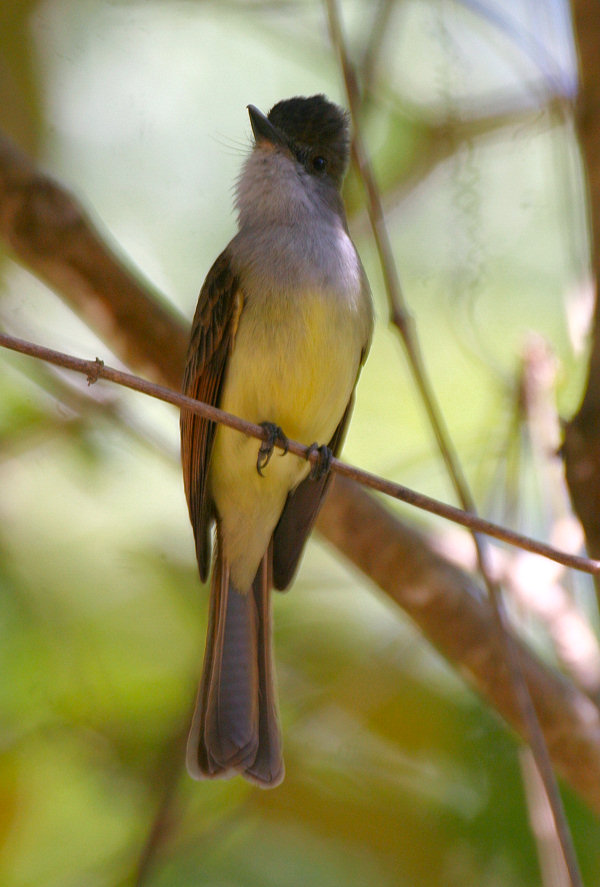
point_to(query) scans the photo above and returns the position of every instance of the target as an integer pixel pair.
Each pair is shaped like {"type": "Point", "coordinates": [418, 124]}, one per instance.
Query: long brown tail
{"type": "Point", "coordinates": [235, 728]}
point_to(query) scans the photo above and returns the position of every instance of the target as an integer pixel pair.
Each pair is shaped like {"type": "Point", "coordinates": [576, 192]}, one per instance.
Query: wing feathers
{"type": "Point", "coordinates": [213, 332]}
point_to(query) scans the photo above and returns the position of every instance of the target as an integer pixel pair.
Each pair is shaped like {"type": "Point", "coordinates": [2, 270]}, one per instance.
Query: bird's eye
{"type": "Point", "coordinates": [319, 164]}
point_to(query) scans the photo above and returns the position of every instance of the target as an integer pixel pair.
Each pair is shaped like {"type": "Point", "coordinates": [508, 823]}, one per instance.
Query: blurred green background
{"type": "Point", "coordinates": [396, 773]}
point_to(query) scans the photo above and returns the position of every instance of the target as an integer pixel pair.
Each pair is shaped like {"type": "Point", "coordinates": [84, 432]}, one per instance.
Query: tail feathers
{"type": "Point", "coordinates": [235, 728]}
{"type": "Point", "coordinates": [268, 768]}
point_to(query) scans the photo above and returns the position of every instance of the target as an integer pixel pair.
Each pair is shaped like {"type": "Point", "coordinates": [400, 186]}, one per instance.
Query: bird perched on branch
{"type": "Point", "coordinates": [282, 327]}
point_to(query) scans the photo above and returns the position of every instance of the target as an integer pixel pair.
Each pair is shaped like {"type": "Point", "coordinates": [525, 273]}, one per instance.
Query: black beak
{"type": "Point", "coordinates": [263, 129]}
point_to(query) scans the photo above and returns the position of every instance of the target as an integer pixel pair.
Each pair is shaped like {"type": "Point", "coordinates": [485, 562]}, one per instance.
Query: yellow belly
{"type": "Point", "coordinates": [294, 363]}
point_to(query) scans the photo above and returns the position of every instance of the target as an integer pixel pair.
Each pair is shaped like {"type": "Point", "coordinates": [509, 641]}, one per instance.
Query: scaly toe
{"type": "Point", "coordinates": [322, 465]}
{"type": "Point", "coordinates": [274, 436]}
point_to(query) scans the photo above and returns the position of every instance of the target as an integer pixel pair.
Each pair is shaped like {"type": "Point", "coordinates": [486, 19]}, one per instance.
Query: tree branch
{"type": "Point", "coordinates": [51, 235]}
{"type": "Point", "coordinates": [582, 434]}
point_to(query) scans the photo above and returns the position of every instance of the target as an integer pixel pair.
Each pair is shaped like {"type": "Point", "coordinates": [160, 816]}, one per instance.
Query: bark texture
{"type": "Point", "coordinates": [582, 433]}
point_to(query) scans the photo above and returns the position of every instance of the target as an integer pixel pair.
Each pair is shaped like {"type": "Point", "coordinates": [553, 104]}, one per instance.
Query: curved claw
{"type": "Point", "coordinates": [322, 464]}
{"type": "Point", "coordinates": [275, 436]}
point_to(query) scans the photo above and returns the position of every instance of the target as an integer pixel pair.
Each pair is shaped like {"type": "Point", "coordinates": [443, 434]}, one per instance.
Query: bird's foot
{"type": "Point", "coordinates": [274, 436]}
{"type": "Point", "coordinates": [322, 463]}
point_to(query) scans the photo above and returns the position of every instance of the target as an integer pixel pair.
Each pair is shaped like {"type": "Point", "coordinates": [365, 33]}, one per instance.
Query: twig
{"type": "Point", "coordinates": [552, 866]}
{"type": "Point", "coordinates": [97, 369]}
{"type": "Point", "coordinates": [402, 319]}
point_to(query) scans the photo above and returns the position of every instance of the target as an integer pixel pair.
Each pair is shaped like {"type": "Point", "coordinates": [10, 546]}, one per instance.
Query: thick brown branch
{"type": "Point", "coordinates": [48, 231]}
{"type": "Point", "coordinates": [456, 617]}
{"type": "Point", "coordinates": [582, 433]}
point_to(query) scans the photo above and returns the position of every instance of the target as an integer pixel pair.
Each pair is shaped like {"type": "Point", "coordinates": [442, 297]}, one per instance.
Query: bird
{"type": "Point", "coordinates": [282, 328]}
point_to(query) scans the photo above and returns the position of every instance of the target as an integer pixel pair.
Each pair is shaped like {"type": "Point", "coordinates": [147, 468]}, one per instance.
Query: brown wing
{"type": "Point", "coordinates": [300, 513]}
{"type": "Point", "coordinates": [213, 332]}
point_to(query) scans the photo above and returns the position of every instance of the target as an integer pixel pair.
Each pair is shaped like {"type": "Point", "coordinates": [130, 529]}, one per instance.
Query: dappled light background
{"type": "Point", "coordinates": [397, 774]}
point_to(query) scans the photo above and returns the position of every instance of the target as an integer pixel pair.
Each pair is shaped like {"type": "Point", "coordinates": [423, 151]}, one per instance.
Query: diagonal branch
{"type": "Point", "coordinates": [401, 318]}
{"type": "Point", "coordinates": [97, 369]}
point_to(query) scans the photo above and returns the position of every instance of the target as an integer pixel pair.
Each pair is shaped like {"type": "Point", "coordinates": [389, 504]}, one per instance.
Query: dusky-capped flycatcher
{"type": "Point", "coordinates": [282, 327]}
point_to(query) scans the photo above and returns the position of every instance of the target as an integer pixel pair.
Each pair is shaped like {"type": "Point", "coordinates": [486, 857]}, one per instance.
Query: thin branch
{"type": "Point", "coordinates": [400, 315]}
{"type": "Point", "coordinates": [97, 369]}
{"type": "Point", "coordinates": [552, 866]}
{"type": "Point", "coordinates": [401, 318]}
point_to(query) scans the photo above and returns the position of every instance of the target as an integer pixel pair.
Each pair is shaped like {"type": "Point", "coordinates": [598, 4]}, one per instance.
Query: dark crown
{"type": "Point", "coordinates": [318, 124]}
